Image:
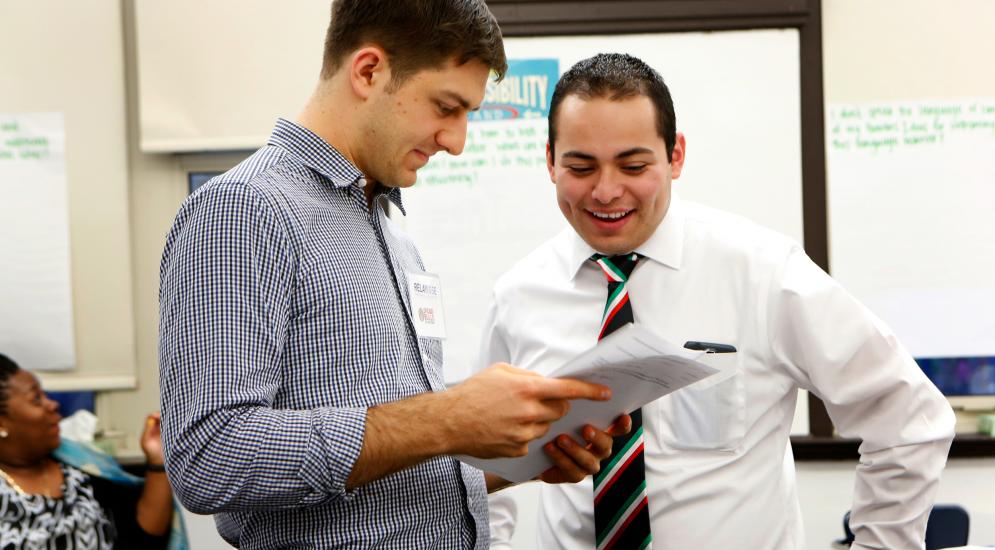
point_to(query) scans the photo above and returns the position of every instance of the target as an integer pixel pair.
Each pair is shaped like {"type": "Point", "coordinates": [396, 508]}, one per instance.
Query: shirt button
{"type": "Point", "coordinates": [361, 182]}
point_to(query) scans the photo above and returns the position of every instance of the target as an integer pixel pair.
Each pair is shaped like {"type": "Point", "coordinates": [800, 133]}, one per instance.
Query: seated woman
{"type": "Point", "coordinates": [48, 503]}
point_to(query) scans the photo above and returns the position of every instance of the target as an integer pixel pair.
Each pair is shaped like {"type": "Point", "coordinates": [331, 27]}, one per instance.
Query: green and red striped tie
{"type": "Point", "coordinates": [621, 514]}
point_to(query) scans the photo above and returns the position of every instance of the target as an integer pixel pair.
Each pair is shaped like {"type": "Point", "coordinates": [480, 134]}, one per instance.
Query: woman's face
{"type": "Point", "coordinates": [31, 420]}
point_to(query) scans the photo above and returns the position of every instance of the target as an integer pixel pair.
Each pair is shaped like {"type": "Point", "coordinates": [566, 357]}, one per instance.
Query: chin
{"type": "Point", "coordinates": [604, 247]}
{"type": "Point", "coordinates": [408, 181]}
{"type": "Point", "coordinates": [402, 178]}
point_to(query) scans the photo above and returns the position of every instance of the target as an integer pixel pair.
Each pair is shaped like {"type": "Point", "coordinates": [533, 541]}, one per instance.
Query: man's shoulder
{"type": "Point", "coordinates": [259, 174]}
{"type": "Point", "coordinates": [544, 263]}
{"type": "Point", "coordinates": [252, 191]}
{"type": "Point", "coordinates": [728, 233]}
{"type": "Point", "coordinates": [271, 182]}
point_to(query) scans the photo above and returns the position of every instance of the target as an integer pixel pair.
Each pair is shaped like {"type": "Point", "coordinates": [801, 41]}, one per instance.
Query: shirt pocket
{"type": "Point", "coordinates": [709, 415]}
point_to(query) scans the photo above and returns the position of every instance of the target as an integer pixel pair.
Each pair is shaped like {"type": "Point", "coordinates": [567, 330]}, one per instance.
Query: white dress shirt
{"type": "Point", "coordinates": [719, 468]}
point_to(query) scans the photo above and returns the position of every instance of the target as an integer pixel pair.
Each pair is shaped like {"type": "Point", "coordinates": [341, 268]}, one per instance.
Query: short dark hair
{"type": "Point", "coordinates": [416, 34]}
{"type": "Point", "coordinates": [616, 76]}
{"type": "Point", "coordinates": [8, 368]}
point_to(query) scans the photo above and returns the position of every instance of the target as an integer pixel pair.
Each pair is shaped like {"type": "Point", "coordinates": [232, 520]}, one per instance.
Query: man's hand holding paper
{"type": "Point", "coordinates": [518, 405]}
{"type": "Point", "coordinates": [572, 461]}
{"type": "Point", "coordinates": [638, 366]}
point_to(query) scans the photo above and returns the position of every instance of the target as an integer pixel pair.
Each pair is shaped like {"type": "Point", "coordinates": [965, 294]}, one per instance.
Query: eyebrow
{"type": "Point", "coordinates": [29, 389]}
{"type": "Point", "coordinates": [577, 155]}
{"type": "Point", "coordinates": [624, 154]}
{"type": "Point", "coordinates": [453, 96]}
{"type": "Point", "coordinates": [634, 151]}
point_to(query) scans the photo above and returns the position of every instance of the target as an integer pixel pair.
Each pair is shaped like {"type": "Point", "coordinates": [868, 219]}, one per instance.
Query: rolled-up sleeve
{"type": "Point", "coordinates": [874, 391]}
{"type": "Point", "coordinates": [227, 281]}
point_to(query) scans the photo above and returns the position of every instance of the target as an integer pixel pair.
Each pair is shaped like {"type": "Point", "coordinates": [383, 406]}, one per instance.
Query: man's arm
{"type": "Point", "coordinates": [225, 306]}
{"type": "Point", "coordinates": [874, 391]}
{"type": "Point", "coordinates": [495, 413]}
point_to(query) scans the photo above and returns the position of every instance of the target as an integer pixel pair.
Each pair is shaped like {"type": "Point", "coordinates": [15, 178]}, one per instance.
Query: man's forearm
{"type": "Point", "coordinates": [496, 482]}
{"type": "Point", "coordinates": [494, 413]}
{"type": "Point", "coordinates": [399, 435]}
{"type": "Point", "coordinates": [894, 493]}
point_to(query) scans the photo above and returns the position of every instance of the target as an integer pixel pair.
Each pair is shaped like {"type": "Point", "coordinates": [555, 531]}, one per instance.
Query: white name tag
{"type": "Point", "coordinates": [425, 295]}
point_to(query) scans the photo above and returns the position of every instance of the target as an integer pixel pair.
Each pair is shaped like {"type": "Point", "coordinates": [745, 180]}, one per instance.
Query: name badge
{"type": "Point", "coordinates": [425, 295]}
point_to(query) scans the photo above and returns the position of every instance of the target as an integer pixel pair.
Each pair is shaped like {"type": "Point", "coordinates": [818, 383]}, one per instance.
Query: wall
{"type": "Point", "coordinates": [67, 58]}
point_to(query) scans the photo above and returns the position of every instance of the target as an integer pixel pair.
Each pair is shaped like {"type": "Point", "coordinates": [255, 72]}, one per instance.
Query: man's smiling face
{"type": "Point", "coordinates": [612, 175]}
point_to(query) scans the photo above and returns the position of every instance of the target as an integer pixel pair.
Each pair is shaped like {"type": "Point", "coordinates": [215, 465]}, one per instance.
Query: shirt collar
{"type": "Point", "coordinates": [318, 155]}
{"type": "Point", "coordinates": [665, 246]}
{"type": "Point", "coordinates": [394, 195]}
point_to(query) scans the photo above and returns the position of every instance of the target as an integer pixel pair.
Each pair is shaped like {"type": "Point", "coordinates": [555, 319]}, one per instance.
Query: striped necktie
{"type": "Point", "coordinates": [621, 514]}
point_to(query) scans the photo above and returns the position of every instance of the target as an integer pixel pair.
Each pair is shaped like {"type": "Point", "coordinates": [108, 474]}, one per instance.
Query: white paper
{"type": "Point", "coordinates": [637, 365]}
{"type": "Point", "coordinates": [36, 316]}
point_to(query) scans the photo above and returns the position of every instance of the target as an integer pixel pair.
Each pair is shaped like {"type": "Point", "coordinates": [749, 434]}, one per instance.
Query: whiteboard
{"type": "Point", "coordinates": [736, 96]}
{"type": "Point", "coordinates": [912, 218]}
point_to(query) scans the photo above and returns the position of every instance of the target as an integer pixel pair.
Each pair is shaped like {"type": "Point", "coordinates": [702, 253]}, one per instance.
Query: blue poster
{"type": "Point", "coordinates": [524, 93]}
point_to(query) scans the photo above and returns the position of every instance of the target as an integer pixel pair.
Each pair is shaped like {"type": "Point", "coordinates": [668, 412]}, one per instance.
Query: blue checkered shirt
{"type": "Point", "coordinates": [284, 316]}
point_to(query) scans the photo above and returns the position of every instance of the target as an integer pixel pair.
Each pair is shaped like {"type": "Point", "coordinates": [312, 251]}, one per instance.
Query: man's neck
{"type": "Point", "coordinates": [327, 114]}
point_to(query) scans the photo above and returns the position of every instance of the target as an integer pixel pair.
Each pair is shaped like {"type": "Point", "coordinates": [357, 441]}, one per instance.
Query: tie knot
{"type": "Point", "coordinates": [616, 268]}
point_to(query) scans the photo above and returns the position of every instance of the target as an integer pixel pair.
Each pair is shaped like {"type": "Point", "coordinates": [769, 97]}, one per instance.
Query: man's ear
{"type": "Point", "coordinates": [677, 158]}
{"type": "Point", "coordinates": [549, 162]}
{"type": "Point", "coordinates": [369, 70]}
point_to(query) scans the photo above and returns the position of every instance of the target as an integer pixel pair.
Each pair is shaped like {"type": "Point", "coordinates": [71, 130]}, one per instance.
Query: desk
{"type": "Point", "coordinates": [812, 448]}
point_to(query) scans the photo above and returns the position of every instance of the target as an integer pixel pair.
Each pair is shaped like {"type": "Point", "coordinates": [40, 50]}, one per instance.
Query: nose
{"type": "Point", "coordinates": [51, 404]}
{"type": "Point", "coordinates": [607, 189]}
{"type": "Point", "coordinates": [452, 138]}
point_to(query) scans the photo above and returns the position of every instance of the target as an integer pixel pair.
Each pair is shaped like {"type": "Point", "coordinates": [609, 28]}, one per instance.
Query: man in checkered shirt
{"type": "Point", "coordinates": [300, 406]}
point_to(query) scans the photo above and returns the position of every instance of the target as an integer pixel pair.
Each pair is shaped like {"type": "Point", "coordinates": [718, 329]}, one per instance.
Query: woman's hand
{"type": "Point", "coordinates": [154, 511]}
{"type": "Point", "coordinates": [151, 440]}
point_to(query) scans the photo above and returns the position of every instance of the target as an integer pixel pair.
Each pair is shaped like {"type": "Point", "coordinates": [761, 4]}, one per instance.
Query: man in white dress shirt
{"type": "Point", "coordinates": [718, 465]}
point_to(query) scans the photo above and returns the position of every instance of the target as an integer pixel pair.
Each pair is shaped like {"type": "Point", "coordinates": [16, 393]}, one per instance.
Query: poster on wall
{"type": "Point", "coordinates": [36, 321]}
{"type": "Point", "coordinates": [523, 93]}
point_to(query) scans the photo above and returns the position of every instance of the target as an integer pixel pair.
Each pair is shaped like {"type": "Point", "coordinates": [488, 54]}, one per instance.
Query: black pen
{"type": "Point", "coordinates": [709, 347]}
